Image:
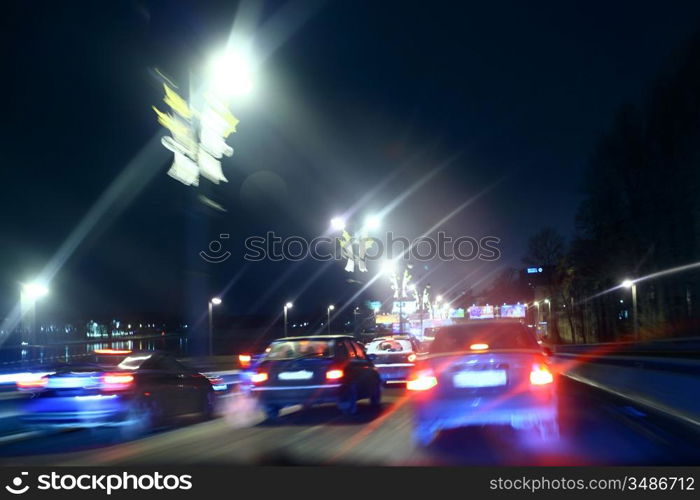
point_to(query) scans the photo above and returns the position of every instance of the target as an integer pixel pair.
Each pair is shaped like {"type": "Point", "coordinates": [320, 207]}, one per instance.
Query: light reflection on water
{"type": "Point", "coordinates": [48, 354]}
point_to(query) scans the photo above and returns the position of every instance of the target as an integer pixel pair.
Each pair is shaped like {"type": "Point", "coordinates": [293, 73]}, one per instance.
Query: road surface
{"type": "Point", "coordinates": [596, 429]}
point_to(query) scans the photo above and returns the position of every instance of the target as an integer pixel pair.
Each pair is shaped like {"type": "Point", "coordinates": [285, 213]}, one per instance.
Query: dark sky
{"type": "Point", "coordinates": [363, 99]}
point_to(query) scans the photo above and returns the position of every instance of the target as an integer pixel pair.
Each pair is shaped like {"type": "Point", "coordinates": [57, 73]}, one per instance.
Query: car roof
{"type": "Point", "coordinates": [316, 337]}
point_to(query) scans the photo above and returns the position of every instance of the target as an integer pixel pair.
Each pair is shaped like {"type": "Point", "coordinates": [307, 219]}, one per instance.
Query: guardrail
{"type": "Point", "coordinates": [677, 348]}
{"type": "Point", "coordinates": [662, 375]}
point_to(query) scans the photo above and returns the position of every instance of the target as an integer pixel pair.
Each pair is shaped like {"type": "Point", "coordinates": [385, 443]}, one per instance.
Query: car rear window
{"type": "Point", "coordinates": [388, 346]}
{"type": "Point", "coordinates": [290, 349]}
{"type": "Point", "coordinates": [496, 336]}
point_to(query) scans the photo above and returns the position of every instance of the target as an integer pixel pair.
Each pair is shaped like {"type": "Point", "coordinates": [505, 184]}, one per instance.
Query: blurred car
{"type": "Point", "coordinates": [136, 391]}
{"type": "Point", "coordinates": [314, 370]}
{"type": "Point", "coordinates": [485, 372]}
{"type": "Point", "coordinates": [393, 357]}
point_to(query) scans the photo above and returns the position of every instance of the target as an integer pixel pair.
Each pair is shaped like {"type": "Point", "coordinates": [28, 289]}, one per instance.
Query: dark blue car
{"type": "Point", "coordinates": [313, 370]}
{"type": "Point", "coordinates": [135, 391]}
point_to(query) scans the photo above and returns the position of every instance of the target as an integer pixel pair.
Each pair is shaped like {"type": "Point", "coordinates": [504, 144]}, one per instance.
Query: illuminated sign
{"type": "Point", "coordinates": [387, 319]}
{"type": "Point", "coordinates": [457, 313]}
{"type": "Point", "coordinates": [374, 305]}
{"type": "Point", "coordinates": [512, 311]}
{"type": "Point", "coordinates": [481, 312]}
{"type": "Point", "coordinates": [534, 270]}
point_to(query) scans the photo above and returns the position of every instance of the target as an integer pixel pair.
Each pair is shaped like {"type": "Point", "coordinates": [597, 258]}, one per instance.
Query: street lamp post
{"type": "Point", "coordinates": [328, 313]}
{"type": "Point", "coordinates": [28, 297]}
{"type": "Point", "coordinates": [287, 306]}
{"type": "Point", "coordinates": [635, 319]}
{"type": "Point", "coordinates": [215, 301]}
{"type": "Point", "coordinates": [355, 312]}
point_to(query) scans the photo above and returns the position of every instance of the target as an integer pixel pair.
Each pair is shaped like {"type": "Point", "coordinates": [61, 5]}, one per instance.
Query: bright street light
{"type": "Point", "coordinates": [287, 306]}
{"type": "Point", "coordinates": [34, 290]}
{"type": "Point", "coordinates": [230, 74]}
{"type": "Point", "coordinates": [338, 223]}
{"type": "Point", "coordinates": [328, 312]}
{"type": "Point", "coordinates": [214, 301]}
{"type": "Point", "coordinates": [28, 298]}
{"type": "Point", "coordinates": [635, 319]}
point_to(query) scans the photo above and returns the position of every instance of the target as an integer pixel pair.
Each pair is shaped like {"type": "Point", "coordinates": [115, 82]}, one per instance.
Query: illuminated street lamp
{"type": "Point", "coordinates": [215, 301]}
{"type": "Point", "coordinates": [287, 306]}
{"type": "Point", "coordinates": [338, 223]}
{"type": "Point", "coordinates": [34, 290]}
{"type": "Point", "coordinates": [328, 312]}
{"type": "Point", "coordinates": [30, 293]}
{"type": "Point", "coordinates": [230, 74]}
{"type": "Point", "coordinates": [635, 323]}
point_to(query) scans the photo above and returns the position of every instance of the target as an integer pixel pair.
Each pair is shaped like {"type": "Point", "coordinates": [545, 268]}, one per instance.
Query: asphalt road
{"type": "Point", "coordinates": [596, 429]}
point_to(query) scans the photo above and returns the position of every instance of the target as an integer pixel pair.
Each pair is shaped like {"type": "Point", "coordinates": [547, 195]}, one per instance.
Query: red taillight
{"type": "Point", "coordinates": [32, 383]}
{"type": "Point", "coordinates": [540, 375]}
{"type": "Point", "coordinates": [112, 351]}
{"type": "Point", "coordinates": [259, 377]}
{"type": "Point", "coordinates": [244, 360]}
{"type": "Point", "coordinates": [334, 374]}
{"type": "Point", "coordinates": [117, 381]}
{"type": "Point", "coordinates": [422, 381]}
{"type": "Point", "coordinates": [411, 358]}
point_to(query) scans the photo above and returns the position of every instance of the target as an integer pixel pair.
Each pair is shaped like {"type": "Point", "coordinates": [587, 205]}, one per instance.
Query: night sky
{"type": "Point", "coordinates": [353, 101]}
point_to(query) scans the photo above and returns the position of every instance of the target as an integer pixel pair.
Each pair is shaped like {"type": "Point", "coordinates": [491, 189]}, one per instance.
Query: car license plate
{"type": "Point", "coordinates": [69, 382]}
{"type": "Point", "coordinates": [480, 378]}
{"type": "Point", "coordinates": [300, 375]}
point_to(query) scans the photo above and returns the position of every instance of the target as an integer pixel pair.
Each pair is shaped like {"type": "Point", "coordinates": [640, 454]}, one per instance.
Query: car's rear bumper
{"type": "Point", "coordinates": [517, 411]}
{"type": "Point", "coordinates": [74, 411]}
{"type": "Point", "coordinates": [299, 394]}
{"type": "Point", "coordinates": [394, 373]}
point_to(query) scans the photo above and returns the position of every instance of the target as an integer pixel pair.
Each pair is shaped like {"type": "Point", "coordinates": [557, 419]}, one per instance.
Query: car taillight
{"type": "Point", "coordinates": [117, 381]}
{"type": "Point", "coordinates": [334, 374]}
{"type": "Point", "coordinates": [112, 351]}
{"type": "Point", "coordinates": [244, 360]}
{"type": "Point", "coordinates": [259, 377]}
{"type": "Point", "coordinates": [422, 381]}
{"type": "Point", "coordinates": [540, 375]}
{"type": "Point", "coordinates": [29, 383]}
{"type": "Point", "coordinates": [411, 358]}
